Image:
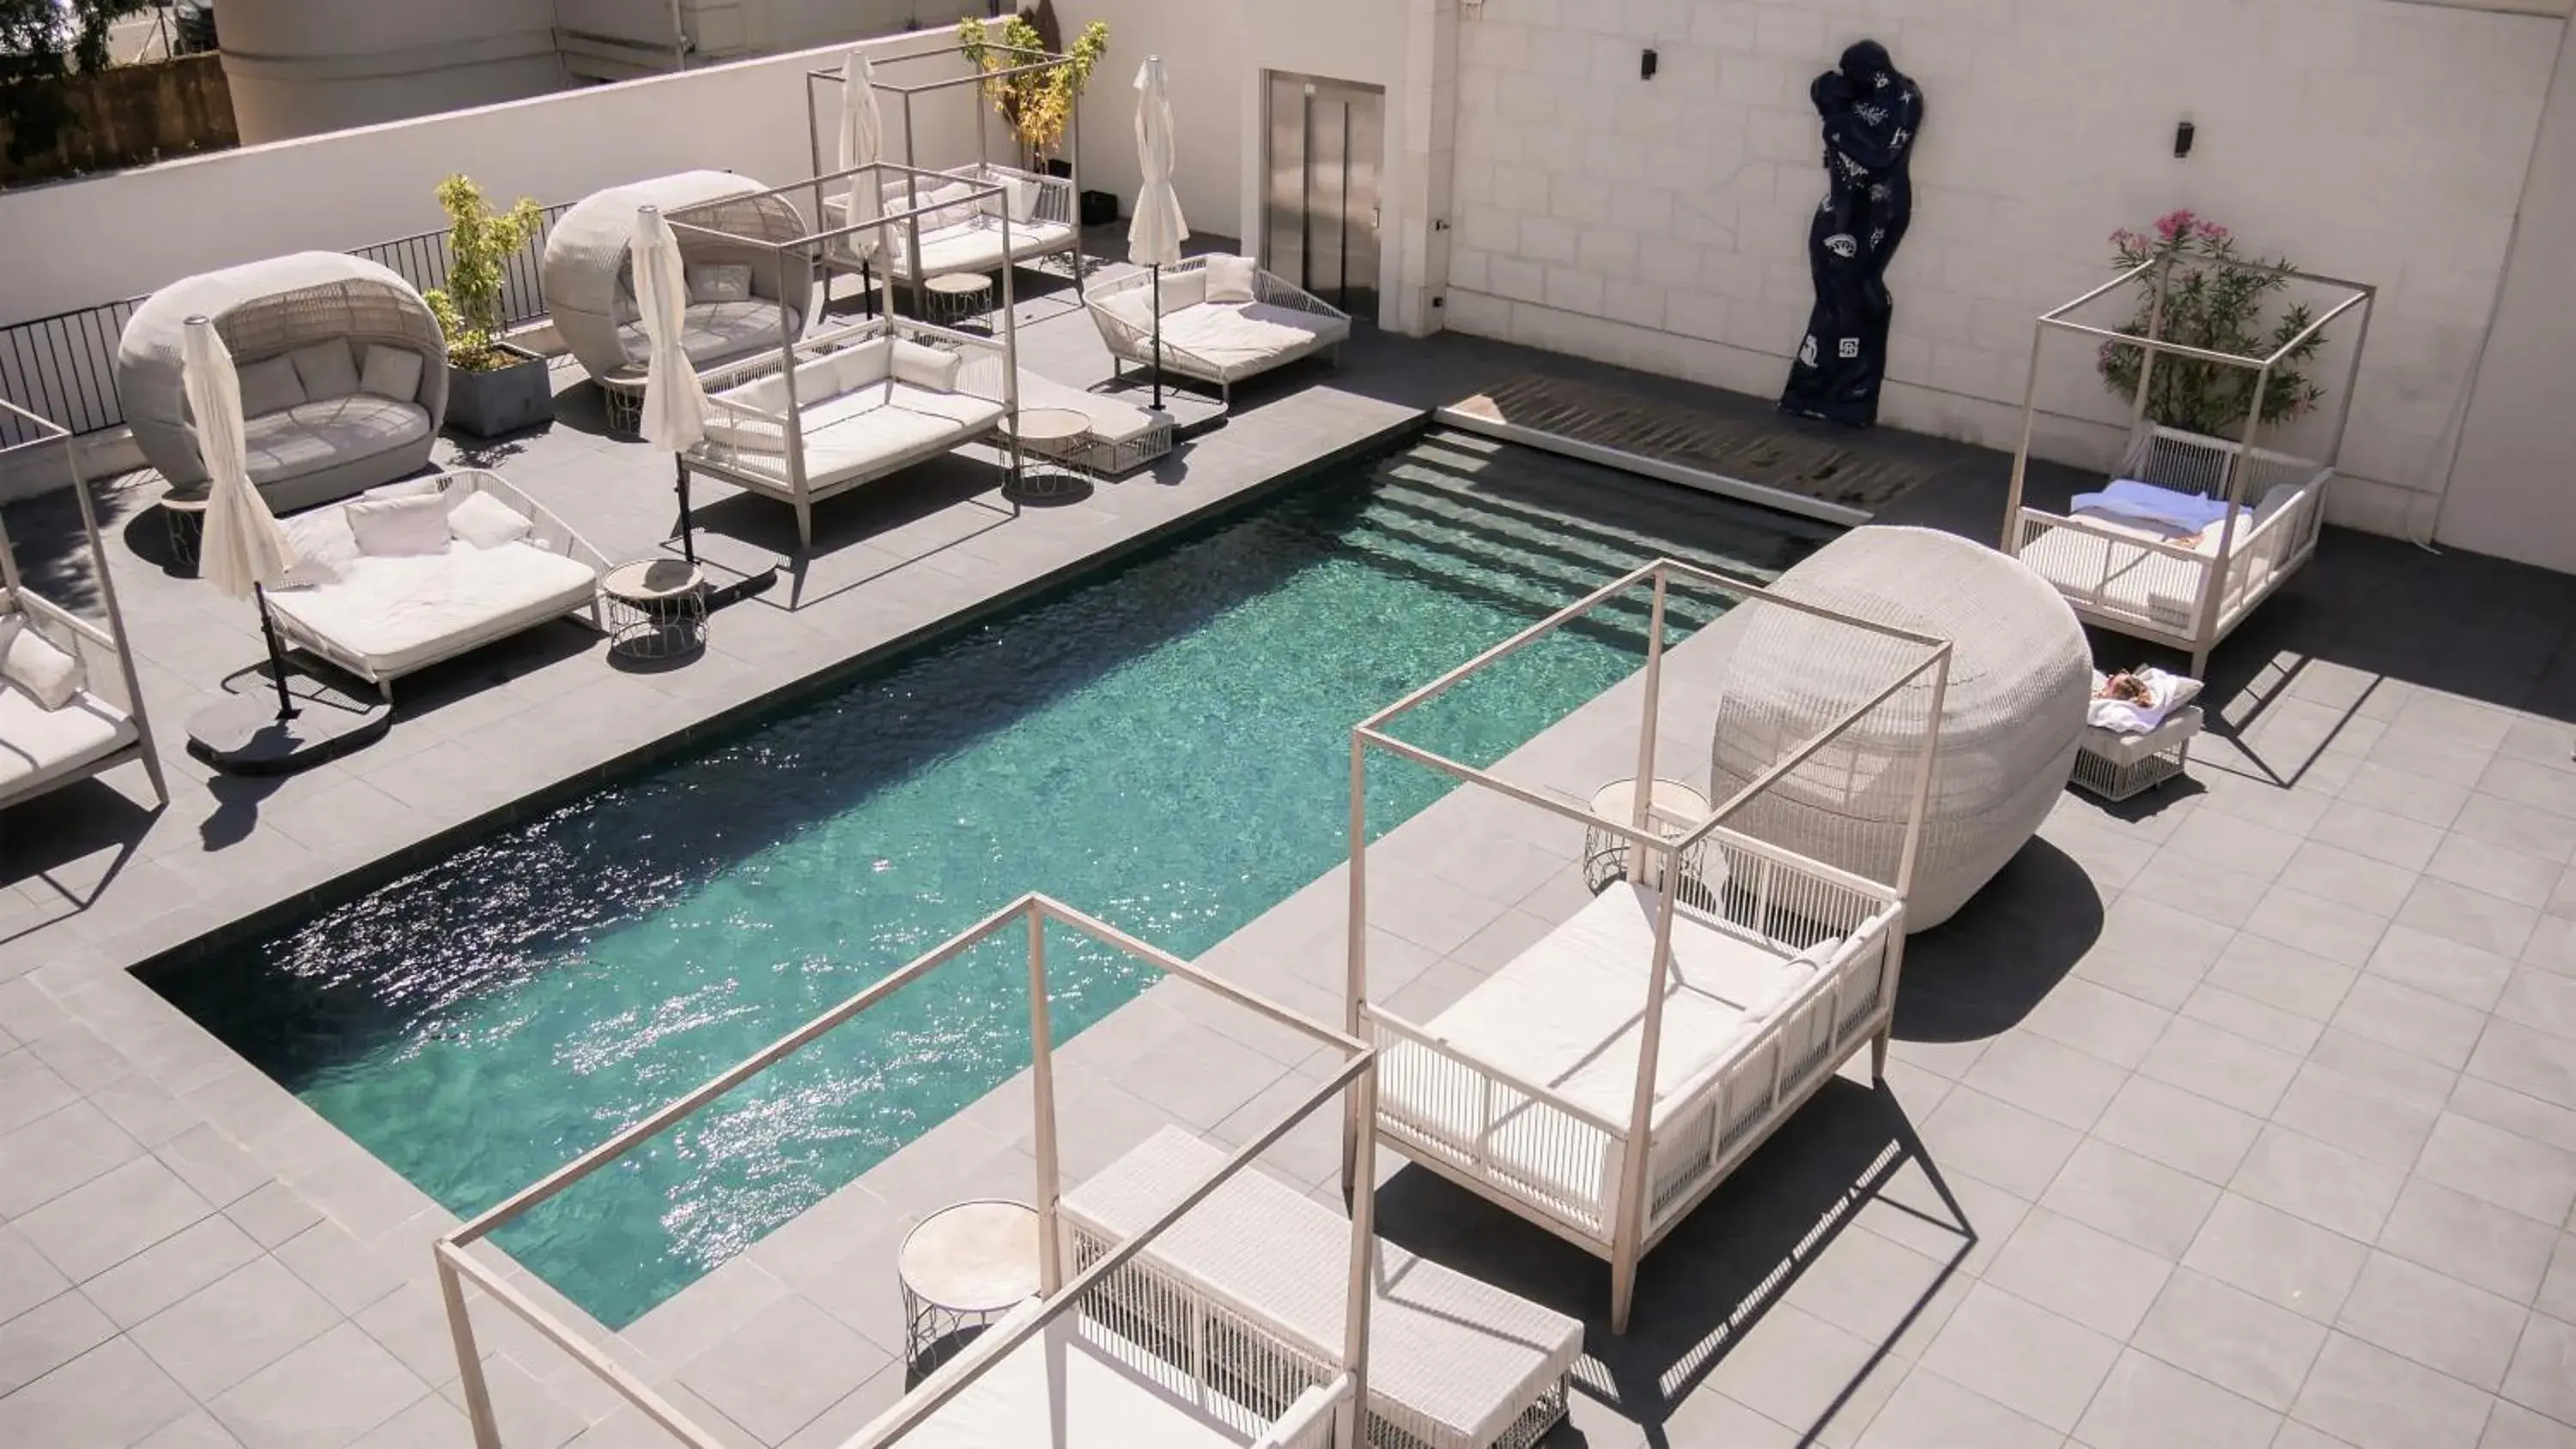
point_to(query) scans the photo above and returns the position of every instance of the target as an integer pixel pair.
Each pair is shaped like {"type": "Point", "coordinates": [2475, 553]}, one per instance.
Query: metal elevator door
{"type": "Point", "coordinates": [1327, 142]}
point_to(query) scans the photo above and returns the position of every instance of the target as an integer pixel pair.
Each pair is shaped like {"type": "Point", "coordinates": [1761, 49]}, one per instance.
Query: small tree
{"type": "Point", "coordinates": [2217, 301]}
{"type": "Point", "coordinates": [42, 41]}
{"type": "Point", "coordinates": [1037, 105]}
{"type": "Point", "coordinates": [480, 244]}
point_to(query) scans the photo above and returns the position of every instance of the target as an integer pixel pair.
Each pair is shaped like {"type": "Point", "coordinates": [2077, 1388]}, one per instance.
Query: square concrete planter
{"type": "Point", "coordinates": [489, 404]}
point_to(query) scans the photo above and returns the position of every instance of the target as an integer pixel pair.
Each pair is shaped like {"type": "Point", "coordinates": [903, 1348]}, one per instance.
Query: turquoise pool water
{"type": "Point", "coordinates": [1165, 745]}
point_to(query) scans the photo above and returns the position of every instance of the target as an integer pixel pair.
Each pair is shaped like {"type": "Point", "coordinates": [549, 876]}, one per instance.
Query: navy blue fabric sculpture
{"type": "Point", "coordinates": [1871, 114]}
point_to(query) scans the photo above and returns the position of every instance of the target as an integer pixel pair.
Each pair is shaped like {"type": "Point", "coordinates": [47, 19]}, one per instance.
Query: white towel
{"type": "Point", "coordinates": [2165, 694]}
{"type": "Point", "coordinates": [2129, 498]}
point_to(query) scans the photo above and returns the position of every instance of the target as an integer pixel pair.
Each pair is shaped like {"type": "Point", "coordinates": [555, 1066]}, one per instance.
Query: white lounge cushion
{"type": "Point", "coordinates": [1180, 291]}
{"type": "Point", "coordinates": [929, 367]}
{"type": "Point", "coordinates": [1112, 421]}
{"type": "Point", "coordinates": [1240, 340]}
{"type": "Point", "coordinates": [39, 745]}
{"type": "Point", "coordinates": [269, 387]}
{"type": "Point", "coordinates": [399, 527]}
{"type": "Point", "coordinates": [713, 332]}
{"type": "Point", "coordinates": [49, 674]}
{"type": "Point", "coordinates": [326, 548]}
{"type": "Point", "coordinates": [398, 613]}
{"type": "Point", "coordinates": [306, 436]}
{"type": "Point", "coordinates": [484, 521]}
{"type": "Point", "coordinates": [391, 372]}
{"type": "Point", "coordinates": [961, 410]}
{"type": "Point", "coordinates": [1064, 1390]}
{"type": "Point", "coordinates": [1231, 279]}
{"type": "Point", "coordinates": [325, 368]}
{"type": "Point", "coordinates": [977, 246]}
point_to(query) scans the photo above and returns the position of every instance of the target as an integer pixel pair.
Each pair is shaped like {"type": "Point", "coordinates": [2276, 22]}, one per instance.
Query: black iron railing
{"type": "Point", "coordinates": [64, 366]}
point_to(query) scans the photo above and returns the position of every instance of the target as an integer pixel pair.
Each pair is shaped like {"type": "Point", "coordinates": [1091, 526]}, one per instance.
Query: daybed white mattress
{"type": "Point", "coordinates": [1061, 1391]}
{"type": "Point", "coordinates": [317, 434]}
{"type": "Point", "coordinates": [2142, 584]}
{"type": "Point", "coordinates": [876, 429]}
{"type": "Point", "coordinates": [1568, 1013]}
{"type": "Point", "coordinates": [398, 613]}
{"type": "Point", "coordinates": [716, 331]}
{"type": "Point", "coordinates": [1238, 339]}
{"type": "Point", "coordinates": [39, 746]}
{"type": "Point", "coordinates": [1112, 421]}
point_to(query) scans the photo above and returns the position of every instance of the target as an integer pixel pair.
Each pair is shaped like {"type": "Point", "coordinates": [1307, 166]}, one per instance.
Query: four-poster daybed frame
{"type": "Point", "coordinates": [104, 723]}
{"type": "Point", "coordinates": [992, 1392]}
{"type": "Point", "coordinates": [2188, 591]}
{"type": "Point", "coordinates": [842, 406]}
{"type": "Point", "coordinates": [1785, 967]}
{"type": "Point", "coordinates": [1058, 203]}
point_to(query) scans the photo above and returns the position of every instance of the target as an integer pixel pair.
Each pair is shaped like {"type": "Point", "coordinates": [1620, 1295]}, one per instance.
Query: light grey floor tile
{"type": "Point", "coordinates": [2348, 879]}
{"type": "Point", "coordinates": [2558, 1286]}
{"type": "Point", "coordinates": [2281, 1259]}
{"type": "Point", "coordinates": [2086, 1275]}
{"type": "Point", "coordinates": [2379, 1070]}
{"type": "Point", "coordinates": [171, 1269]}
{"type": "Point", "coordinates": [112, 1217]}
{"type": "Point", "coordinates": [2435, 1320]}
{"type": "Point", "coordinates": [2471, 917]}
{"type": "Point", "coordinates": [2330, 1186]}
{"type": "Point", "coordinates": [529, 1414]}
{"type": "Point", "coordinates": [57, 1152]}
{"type": "Point", "coordinates": [1706, 1417]}
{"type": "Point", "coordinates": [2131, 1198]}
{"type": "Point", "coordinates": [1995, 1141]}
{"type": "Point", "coordinates": [430, 1423]}
{"type": "Point", "coordinates": [2533, 1063]}
{"type": "Point", "coordinates": [1957, 1220]}
{"type": "Point", "coordinates": [2236, 1341]}
{"type": "Point", "coordinates": [2327, 1105]}
{"type": "Point", "coordinates": [2031, 1072]}
{"type": "Point", "coordinates": [1878, 1290]}
{"type": "Point", "coordinates": [26, 1279]}
{"type": "Point", "coordinates": [108, 1398]}
{"type": "Point", "coordinates": [2282, 977]}
{"type": "Point", "coordinates": [2543, 1376]}
{"type": "Point", "coordinates": [330, 1391]}
{"type": "Point", "coordinates": [2118, 1028]}
{"type": "Point", "coordinates": [2147, 1403]}
{"type": "Point", "coordinates": [787, 1364]}
{"type": "Point", "coordinates": [44, 1338]}
{"type": "Point", "coordinates": [2180, 1129]}
{"type": "Point", "coordinates": [2383, 1011]}
{"type": "Point", "coordinates": [2511, 1426]}
{"type": "Point", "coordinates": [2405, 793]}
{"type": "Point", "coordinates": [1928, 1411]}
{"type": "Point", "coordinates": [2314, 924]}
{"type": "Point", "coordinates": [197, 1429]}
{"type": "Point", "coordinates": [2501, 1167]}
{"type": "Point", "coordinates": [241, 1323]}
{"type": "Point", "coordinates": [1799, 1371]}
{"type": "Point", "coordinates": [2221, 1066]}
{"type": "Point", "coordinates": [2238, 844]}
{"type": "Point", "coordinates": [2205, 888]}
{"type": "Point", "coordinates": [2022, 1356]}
{"type": "Point", "coordinates": [2253, 1020]}
{"type": "Point", "coordinates": [2476, 1242]}
{"type": "Point", "coordinates": [2441, 966]}
{"type": "Point", "coordinates": [2392, 839]}
{"type": "Point", "coordinates": [2498, 870]}
{"type": "Point", "coordinates": [2540, 1000]}
{"type": "Point", "coordinates": [2373, 1399]}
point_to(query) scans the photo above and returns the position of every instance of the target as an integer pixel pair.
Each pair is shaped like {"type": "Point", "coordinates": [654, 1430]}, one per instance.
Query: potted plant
{"type": "Point", "coordinates": [492, 387]}
{"type": "Point", "coordinates": [1037, 105]}
{"type": "Point", "coordinates": [2213, 300]}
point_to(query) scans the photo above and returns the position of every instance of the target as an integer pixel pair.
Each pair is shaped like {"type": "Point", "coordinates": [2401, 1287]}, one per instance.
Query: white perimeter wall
{"type": "Point", "coordinates": [1662, 223]}
{"type": "Point", "coordinates": [78, 243]}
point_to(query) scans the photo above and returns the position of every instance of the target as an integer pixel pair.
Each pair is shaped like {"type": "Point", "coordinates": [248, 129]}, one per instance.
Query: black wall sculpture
{"type": "Point", "coordinates": [1871, 113]}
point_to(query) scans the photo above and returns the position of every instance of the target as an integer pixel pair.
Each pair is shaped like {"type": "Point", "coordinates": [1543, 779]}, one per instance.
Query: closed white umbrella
{"type": "Point", "coordinates": [862, 144]}
{"type": "Point", "coordinates": [1155, 233]}
{"type": "Point", "coordinates": [243, 550]}
{"type": "Point", "coordinates": [675, 406]}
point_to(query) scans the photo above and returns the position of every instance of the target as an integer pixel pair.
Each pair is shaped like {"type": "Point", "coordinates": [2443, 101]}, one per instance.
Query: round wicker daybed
{"type": "Point", "coordinates": [2020, 675]}
{"type": "Point", "coordinates": [590, 281]}
{"type": "Point", "coordinates": [343, 371]}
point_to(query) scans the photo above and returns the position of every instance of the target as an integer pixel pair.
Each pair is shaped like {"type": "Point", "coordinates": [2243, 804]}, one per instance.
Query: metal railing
{"type": "Point", "coordinates": [64, 366]}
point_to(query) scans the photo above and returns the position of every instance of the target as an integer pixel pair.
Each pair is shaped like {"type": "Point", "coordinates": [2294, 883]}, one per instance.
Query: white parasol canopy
{"type": "Point", "coordinates": [243, 548]}
{"type": "Point", "coordinates": [1155, 234]}
{"type": "Point", "coordinates": [862, 144]}
{"type": "Point", "coordinates": [675, 407]}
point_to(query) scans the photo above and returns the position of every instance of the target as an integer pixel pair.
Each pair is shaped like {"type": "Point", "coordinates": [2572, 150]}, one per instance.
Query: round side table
{"type": "Point", "coordinates": [964, 1266]}
{"type": "Point", "coordinates": [1605, 856]}
{"type": "Point", "coordinates": [1046, 437]}
{"type": "Point", "coordinates": [958, 298]}
{"type": "Point", "coordinates": [657, 608]}
{"type": "Point", "coordinates": [185, 517]}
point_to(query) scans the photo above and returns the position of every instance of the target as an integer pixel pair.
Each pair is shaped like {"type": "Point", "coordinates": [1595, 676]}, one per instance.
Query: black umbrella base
{"type": "Point", "coordinates": [242, 734]}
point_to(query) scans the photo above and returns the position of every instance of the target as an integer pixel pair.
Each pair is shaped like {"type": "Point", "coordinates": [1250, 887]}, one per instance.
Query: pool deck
{"type": "Point", "coordinates": [2245, 1114]}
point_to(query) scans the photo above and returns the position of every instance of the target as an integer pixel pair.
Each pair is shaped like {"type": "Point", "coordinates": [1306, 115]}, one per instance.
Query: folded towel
{"type": "Point", "coordinates": [2165, 694]}
{"type": "Point", "coordinates": [2129, 498]}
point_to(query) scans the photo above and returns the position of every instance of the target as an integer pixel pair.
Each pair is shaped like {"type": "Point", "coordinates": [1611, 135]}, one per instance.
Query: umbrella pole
{"type": "Point", "coordinates": [276, 654]}
{"type": "Point", "coordinates": [1158, 337]}
{"type": "Point", "coordinates": [688, 545]}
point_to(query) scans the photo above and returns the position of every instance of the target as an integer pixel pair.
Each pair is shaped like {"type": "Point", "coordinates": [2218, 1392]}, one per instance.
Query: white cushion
{"type": "Point", "coordinates": [1180, 291]}
{"type": "Point", "coordinates": [400, 527]}
{"type": "Point", "coordinates": [326, 548]}
{"type": "Point", "coordinates": [856, 367]}
{"type": "Point", "coordinates": [713, 332]}
{"type": "Point", "coordinates": [1112, 421]}
{"type": "Point", "coordinates": [270, 387]}
{"type": "Point", "coordinates": [391, 372]}
{"type": "Point", "coordinates": [1240, 340]}
{"type": "Point", "coordinates": [977, 246]}
{"type": "Point", "coordinates": [719, 282]}
{"type": "Point", "coordinates": [325, 368]}
{"type": "Point", "coordinates": [50, 675]}
{"type": "Point", "coordinates": [1230, 279]}
{"type": "Point", "coordinates": [1134, 307]}
{"type": "Point", "coordinates": [396, 614]}
{"type": "Point", "coordinates": [39, 745]}
{"type": "Point", "coordinates": [963, 409]}
{"type": "Point", "coordinates": [930, 367]}
{"type": "Point", "coordinates": [486, 522]}
{"type": "Point", "coordinates": [406, 488]}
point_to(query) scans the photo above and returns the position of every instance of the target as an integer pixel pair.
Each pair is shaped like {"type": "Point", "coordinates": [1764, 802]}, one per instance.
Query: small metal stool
{"type": "Point", "coordinates": [958, 298]}
{"type": "Point", "coordinates": [962, 1267]}
{"type": "Point", "coordinates": [656, 608]}
{"type": "Point", "coordinates": [185, 517]}
{"type": "Point", "coordinates": [1605, 856]}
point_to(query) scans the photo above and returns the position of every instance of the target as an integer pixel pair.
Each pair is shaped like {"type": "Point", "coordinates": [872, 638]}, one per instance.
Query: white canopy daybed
{"type": "Point", "coordinates": [415, 573]}
{"type": "Point", "coordinates": [1608, 1078]}
{"type": "Point", "coordinates": [1073, 1367]}
{"type": "Point", "coordinates": [746, 297]}
{"type": "Point", "coordinates": [2186, 577]}
{"type": "Point", "coordinates": [343, 375]}
{"type": "Point", "coordinates": [70, 704]}
{"type": "Point", "coordinates": [1224, 319]}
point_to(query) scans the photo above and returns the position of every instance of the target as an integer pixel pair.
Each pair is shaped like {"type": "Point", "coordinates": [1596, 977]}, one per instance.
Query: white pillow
{"type": "Point", "coordinates": [406, 488]}
{"type": "Point", "coordinates": [30, 661]}
{"type": "Point", "coordinates": [325, 548]}
{"type": "Point", "coordinates": [325, 369]}
{"type": "Point", "coordinates": [486, 522]}
{"type": "Point", "coordinates": [928, 367]}
{"type": "Point", "coordinates": [270, 387]}
{"type": "Point", "coordinates": [720, 282]}
{"type": "Point", "coordinates": [392, 372]}
{"type": "Point", "coordinates": [856, 367]}
{"type": "Point", "coordinates": [1019, 199]}
{"type": "Point", "coordinates": [1230, 279]}
{"type": "Point", "coordinates": [400, 527]}
{"type": "Point", "coordinates": [1135, 307]}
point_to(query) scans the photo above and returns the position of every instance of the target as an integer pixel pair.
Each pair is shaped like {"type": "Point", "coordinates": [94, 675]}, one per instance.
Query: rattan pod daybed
{"type": "Point", "coordinates": [330, 405]}
{"type": "Point", "coordinates": [2011, 714]}
{"type": "Point", "coordinates": [590, 281]}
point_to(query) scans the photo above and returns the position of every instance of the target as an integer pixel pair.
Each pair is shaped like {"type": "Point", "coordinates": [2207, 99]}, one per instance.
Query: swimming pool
{"type": "Point", "coordinates": [1165, 745]}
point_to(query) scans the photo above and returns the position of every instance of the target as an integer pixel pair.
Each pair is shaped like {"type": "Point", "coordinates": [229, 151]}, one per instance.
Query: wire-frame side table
{"type": "Point", "coordinates": [656, 608]}
{"type": "Point", "coordinates": [1605, 856]}
{"type": "Point", "coordinates": [963, 1267]}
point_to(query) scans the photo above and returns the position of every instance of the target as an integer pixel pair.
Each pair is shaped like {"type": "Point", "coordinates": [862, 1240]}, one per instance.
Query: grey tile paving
{"type": "Point", "coordinates": [2022, 1356]}
{"type": "Point", "coordinates": [2085, 1275]}
{"type": "Point", "coordinates": [2373, 1399]}
{"type": "Point", "coordinates": [1928, 1411]}
{"type": "Point", "coordinates": [2274, 1256]}
{"type": "Point", "coordinates": [2149, 1404]}
{"type": "Point", "coordinates": [2232, 1339]}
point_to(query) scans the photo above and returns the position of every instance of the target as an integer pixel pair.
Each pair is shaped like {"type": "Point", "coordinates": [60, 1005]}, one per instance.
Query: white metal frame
{"type": "Point", "coordinates": [809, 251]}
{"type": "Point", "coordinates": [92, 644]}
{"type": "Point", "coordinates": [2212, 593]}
{"type": "Point", "coordinates": [1699, 1132]}
{"type": "Point", "coordinates": [1060, 1294]}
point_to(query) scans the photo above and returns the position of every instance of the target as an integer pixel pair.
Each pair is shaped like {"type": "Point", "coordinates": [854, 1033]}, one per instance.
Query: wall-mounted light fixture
{"type": "Point", "coordinates": [1646, 65]}
{"type": "Point", "coordinates": [2182, 139]}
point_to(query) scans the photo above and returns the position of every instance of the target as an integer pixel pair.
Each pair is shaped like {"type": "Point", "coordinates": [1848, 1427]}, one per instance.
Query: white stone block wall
{"type": "Point", "coordinates": [1661, 224]}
